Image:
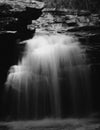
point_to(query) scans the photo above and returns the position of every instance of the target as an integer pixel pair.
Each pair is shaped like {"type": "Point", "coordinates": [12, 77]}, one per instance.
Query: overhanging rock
{"type": "Point", "coordinates": [16, 15]}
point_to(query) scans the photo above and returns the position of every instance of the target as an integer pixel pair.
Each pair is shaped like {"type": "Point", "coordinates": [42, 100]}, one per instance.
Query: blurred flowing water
{"type": "Point", "coordinates": [53, 76]}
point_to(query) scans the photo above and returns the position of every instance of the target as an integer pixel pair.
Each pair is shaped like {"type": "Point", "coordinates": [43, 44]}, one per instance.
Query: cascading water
{"type": "Point", "coordinates": [51, 75]}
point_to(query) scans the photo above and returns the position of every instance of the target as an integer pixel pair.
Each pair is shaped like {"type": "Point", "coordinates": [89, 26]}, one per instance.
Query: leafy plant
{"type": "Point", "coordinates": [92, 5]}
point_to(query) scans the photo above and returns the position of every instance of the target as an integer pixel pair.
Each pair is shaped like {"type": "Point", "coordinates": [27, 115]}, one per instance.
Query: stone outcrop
{"type": "Point", "coordinates": [16, 17]}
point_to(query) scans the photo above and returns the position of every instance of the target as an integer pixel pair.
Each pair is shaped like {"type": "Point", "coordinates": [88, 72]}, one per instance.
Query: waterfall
{"type": "Point", "coordinates": [51, 77]}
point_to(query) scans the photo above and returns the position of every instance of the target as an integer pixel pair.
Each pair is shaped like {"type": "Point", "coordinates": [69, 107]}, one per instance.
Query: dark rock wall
{"type": "Point", "coordinates": [13, 29]}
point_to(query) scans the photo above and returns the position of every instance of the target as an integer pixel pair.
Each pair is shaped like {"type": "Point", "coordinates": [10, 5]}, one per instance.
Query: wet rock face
{"type": "Point", "coordinates": [14, 19]}
{"type": "Point", "coordinates": [13, 28]}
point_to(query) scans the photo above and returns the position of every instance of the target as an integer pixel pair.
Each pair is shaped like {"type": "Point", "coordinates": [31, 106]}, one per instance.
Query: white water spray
{"type": "Point", "coordinates": [37, 76]}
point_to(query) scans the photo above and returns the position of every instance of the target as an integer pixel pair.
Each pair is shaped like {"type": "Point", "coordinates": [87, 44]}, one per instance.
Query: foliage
{"type": "Point", "coordinates": [92, 5]}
